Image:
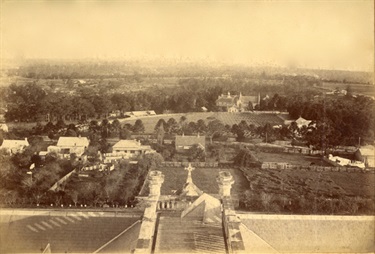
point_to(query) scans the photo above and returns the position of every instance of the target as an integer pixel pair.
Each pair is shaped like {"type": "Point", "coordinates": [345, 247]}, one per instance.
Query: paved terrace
{"type": "Point", "coordinates": [28, 231]}
{"type": "Point", "coordinates": [308, 234]}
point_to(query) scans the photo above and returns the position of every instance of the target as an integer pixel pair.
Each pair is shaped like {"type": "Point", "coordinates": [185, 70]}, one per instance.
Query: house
{"type": "Point", "coordinates": [184, 143]}
{"type": "Point", "coordinates": [70, 145]}
{"type": "Point", "coordinates": [243, 102]}
{"type": "Point", "coordinates": [302, 122]}
{"type": "Point", "coordinates": [237, 103]}
{"type": "Point", "coordinates": [287, 119]}
{"type": "Point", "coordinates": [366, 154]}
{"type": "Point", "coordinates": [4, 127]}
{"type": "Point", "coordinates": [14, 146]}
{"type": "Point", "coordinates": [345, 162]}
{"type": "Point", "coordinates": [130, 147]}
{"type": "Point", "coordinates": [140, 113]}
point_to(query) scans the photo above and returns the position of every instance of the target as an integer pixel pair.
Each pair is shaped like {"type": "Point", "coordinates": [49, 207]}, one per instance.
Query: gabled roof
{"type": "Point", "coordinates": [225, 100]}
{"type": "Point", "coordinates": [73, 141]}
{"type": "Point", "coordinates": [10, 143]}
{"type": "Point", "coordinates": [127, 144]}
{"type": "Point", "coordinates": [190, 140]}
{"type": "Point", "coordinates": [246, 99]}
{"type": "Point", "coordinates": [368, 150]}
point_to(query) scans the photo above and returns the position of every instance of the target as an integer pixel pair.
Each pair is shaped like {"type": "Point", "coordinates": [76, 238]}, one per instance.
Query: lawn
{"type": "Point", "coordinates": [203, 178]}
{"type": "Point", "coordinates": [297, 159]}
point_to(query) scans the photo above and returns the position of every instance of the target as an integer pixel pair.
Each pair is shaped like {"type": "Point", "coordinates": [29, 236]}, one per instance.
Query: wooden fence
{"type": "Point", "coordinates": [179, 164]}
{"type": "Point", "coordinates": [284, 165]}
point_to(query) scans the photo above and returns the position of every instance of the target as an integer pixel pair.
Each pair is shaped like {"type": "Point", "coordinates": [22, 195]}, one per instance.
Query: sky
{"type": "Point", "coordinates": [314, 34]}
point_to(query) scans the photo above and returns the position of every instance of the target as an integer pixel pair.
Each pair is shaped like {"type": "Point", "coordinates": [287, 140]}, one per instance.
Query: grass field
{"type": "Point", "coordinates": [297, 182]}
{"type": "Point", "coordinates": [297, 159]}
{"type": "Point", "coordinates": [356, 88]}
{"type": "Point", "coordinates": [224, 117]}
{"type": "Point", "coordinates": [203, 178]}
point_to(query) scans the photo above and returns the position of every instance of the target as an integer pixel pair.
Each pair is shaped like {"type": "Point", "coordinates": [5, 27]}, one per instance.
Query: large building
{"type": "Point", "coordinates": [237, 103]}
{"type": "Point", "coordinates": [130, 147]}
{"type": "Point", "coordinates": [70, 145]}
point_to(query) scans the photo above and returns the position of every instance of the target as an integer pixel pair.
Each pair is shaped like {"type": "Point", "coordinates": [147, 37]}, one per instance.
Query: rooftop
{"type": "Point", "coordinates": [73, 141]}
{"type": "Point", "coordinates": [190, 140]}
{"type": "Point", "coordinates": [10, 143]}
{"type": "Point", "coordinates": [309, 234]}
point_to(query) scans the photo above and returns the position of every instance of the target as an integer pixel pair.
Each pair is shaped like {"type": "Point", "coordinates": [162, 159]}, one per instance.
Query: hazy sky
{"type": "Point", "coordinates": [317, 34]}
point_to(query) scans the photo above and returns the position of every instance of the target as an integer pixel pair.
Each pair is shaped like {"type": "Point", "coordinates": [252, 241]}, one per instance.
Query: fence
{"type": "Point", "coordinates": [284, 165]}
{"type": "Point", "coordinates": [178, 164]}
{"type": "Point", "coordinates": [61, 181]}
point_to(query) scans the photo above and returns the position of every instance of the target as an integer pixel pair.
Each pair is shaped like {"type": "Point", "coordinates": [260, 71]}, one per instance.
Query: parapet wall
{"type": "Point", "coordinates": [231, 223]}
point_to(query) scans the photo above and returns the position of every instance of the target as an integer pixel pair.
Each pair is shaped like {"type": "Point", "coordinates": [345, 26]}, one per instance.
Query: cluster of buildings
{"type": "Point", "coordinates": [237, 103]}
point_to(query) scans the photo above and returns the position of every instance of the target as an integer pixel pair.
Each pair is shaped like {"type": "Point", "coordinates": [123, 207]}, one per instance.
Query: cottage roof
{"type": "Point", "coordinates": [246, 99]}
{"type": "Point", "coordinates": [368, 150]}
{"type": "Point", "coordinates": [129, 144]}
{"type": "Point", "coordinates": [286, 117]}
{"type": "Point", "coordinates": [302, 120]}
{"type": "Point", "coordinates": [73, 141]}
{"type": "Point", "coordinates": [10, 143]}
{"type": "Point", "coordinates": [190, 140]}
{"type": "Point", "coordinates": [225, 99]}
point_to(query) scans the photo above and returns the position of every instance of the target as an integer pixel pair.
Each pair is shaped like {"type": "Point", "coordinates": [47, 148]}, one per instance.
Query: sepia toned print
{"type": "Point", "coordinates": [187, 126]}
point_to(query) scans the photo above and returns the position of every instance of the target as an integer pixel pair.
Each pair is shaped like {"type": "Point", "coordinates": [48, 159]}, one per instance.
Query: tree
{"type": "Point", "coordinates": [201, 126]}
{"type": "Point", "coordinates": [196, 153]}
{"type": "Point", "coordinates": [102, 105]}
{"type": "Point", "coordinates": [160, 133]}
{"type": "Point", "coordinates": [138, 126]}
{"type": "Point", "coordinates": [125, 133]}
{"type": "Point", "coordinates": [173, 126]}
{"type": "Point", "coordinates": [160, 122]}
{"type": "Point", "coordinates": [214, 127]}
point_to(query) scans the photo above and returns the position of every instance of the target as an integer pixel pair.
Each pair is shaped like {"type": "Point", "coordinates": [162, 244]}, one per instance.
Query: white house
{"type": "Point", "coordinates": [366, 154]}
{"type": "Point", "coordinates": [131, 147]}
{"type": "Point", "coordinates": [346, 162]}
{"type": "Point", "coordinates": [70, 145]}
{"type": "Point", "coordinates": [302, 122]}
{"type": "Point", "coordinates": [4, 127]}
{"type": "Point", "coordinates": [14, 146]}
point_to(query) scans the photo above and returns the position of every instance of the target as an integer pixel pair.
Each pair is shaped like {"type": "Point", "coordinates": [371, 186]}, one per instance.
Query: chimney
{"type": "Point", "coordinates": [155, 179]}
{"type": "Point", "coordinates": [225, 181]}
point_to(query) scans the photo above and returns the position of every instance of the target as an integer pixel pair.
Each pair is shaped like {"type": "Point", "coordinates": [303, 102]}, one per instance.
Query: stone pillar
{"type": "Point", "coordinates": [155, 179]}
{"type": "Point", "coordinates": [225, 181]}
